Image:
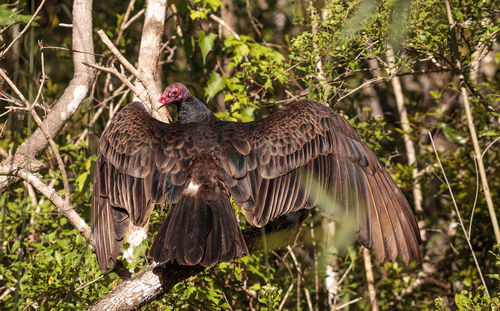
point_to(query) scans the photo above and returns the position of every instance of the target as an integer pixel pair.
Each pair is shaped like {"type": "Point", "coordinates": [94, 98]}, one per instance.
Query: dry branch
{"type": "Point", "coordinates": [43, 127]}
{"type": "Point", "coordinates": [405, 125]}
{"type": "Point", "coordinates": [28, 25]}
{"type": "Point", "coordinates": [470, 122]}
{"type": "Point", "coordinates": [157, 280]}
{"type": "Point", "coordinates": [65, 208]}
{"type": "Point", "coordinates": [467, 237]}
{"type": "Point", "coordinates": [62, 111]}
{"type": "Point", "coordinates": [370, 280]}
{"type": "Point", "coordinates": [117, 74]}
{"type": "Point", "coordinates": [225, 25]}
{"type": "Point", "coordinates": [149, 54]}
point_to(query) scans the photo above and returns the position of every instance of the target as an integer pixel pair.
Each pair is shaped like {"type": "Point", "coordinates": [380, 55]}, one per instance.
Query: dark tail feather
{"type": "Point", "coordinates": [108, 234]}
{"type": "Point", "coordinates": [199, 231]}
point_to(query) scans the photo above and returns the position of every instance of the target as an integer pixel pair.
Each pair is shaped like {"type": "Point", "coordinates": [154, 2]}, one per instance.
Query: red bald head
{"type": "Point", "coordinates": [174, 94]}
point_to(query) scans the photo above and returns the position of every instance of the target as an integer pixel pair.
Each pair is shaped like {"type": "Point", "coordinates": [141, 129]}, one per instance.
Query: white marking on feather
{"type": "Point", "coordinates": [192, 188]}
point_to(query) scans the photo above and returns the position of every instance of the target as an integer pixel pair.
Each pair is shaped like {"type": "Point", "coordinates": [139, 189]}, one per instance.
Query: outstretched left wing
{"type": "Point", "coordinates": [268, 165]}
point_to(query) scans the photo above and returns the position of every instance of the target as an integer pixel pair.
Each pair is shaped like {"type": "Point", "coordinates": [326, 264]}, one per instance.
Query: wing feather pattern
{"type": "Point", "coordinates": [139, 162]}
{"type": "Point", "coordinates": [268, 165]}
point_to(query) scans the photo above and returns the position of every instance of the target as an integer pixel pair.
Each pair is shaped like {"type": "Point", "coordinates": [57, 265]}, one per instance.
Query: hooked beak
{"type": "Point", "coordinates": [163, 103]}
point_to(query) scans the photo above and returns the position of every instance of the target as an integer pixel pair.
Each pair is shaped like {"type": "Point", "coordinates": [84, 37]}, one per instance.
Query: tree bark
{"type": "Point", "coordinates": [73, 95]}
{"type": "Point", "coordinates": [157, 279]}
{"type": "Point", "coordinates": [149, 53]}
{"type": "Point", "coordinates": [405, 125]}
{"type": "Point", "coordinates": [370, 279]}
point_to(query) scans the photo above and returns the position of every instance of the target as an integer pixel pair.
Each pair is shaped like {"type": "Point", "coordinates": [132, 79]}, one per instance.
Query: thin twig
{"type": "Point", "coordinates": [42, 127]}
{"type": "Point", "coordinates": [470, 123]}
{"type": "Point", "coordinates": [134, 18]}
{"type": "Point", "coordinates": [475, 196]}
{"type": "Point", "coordinates": [91, 282]}
{"type": "Point", "coordinates": [459, 217]}
{"type": "Point", "coordinates": [489, 146]}
{"type": "Point", "coordinates": [372, 293]}
{"type": "Point", "coordinates": [32, 19]}
{"type": "Point", "coordinates": [96, 117]}
{"type": "Point", "coordinates": [362, 86]}
{"type": "Point", "coordinates": [299, 277]}
{"type": "Point", "coordinates": [282, 303]}
{"type": "Point", "coordinates": [253, 20]}
{"type": "Point", "coordinates": [130, 7]}
{"type": "Point", "coordinates": [316, 274]}
{"type": "Point", "coordinates": [342, 306]}
{"type": "Point", "coordinates": [351, 265]}
{"type": "Point", "coordinates": [62, 206]}
{"type": "Point", "coordinates": [115, 72]}
{"type": "Point", "coordinates": [119, 55]}
{"type": "Point", "coordinates": [223, 24]}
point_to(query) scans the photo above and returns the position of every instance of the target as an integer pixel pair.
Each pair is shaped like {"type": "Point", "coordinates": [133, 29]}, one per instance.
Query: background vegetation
{"type": "Point", "coordinates": [397, 69]}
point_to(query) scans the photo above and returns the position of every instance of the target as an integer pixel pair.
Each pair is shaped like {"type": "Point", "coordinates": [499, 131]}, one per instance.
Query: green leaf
{"type": "Point", "coordinates": [8, 16]}
{"type": "Point", "coordinates": [15, 246]}
{"type": "Point", "coordinates": [58, 258]}
{"type": "Point", "coordinates": [198, 14]}
{"type": "Point", "coordinates": [206, 43]}
{"type": "Point", "coordinates": [215, 84]}
{"type": "Point", "coordinates": [214, 4]}
{"type": "Point", "coordinates": [80, 180]}
{"type": "Point", "coordinates": [489, 133]}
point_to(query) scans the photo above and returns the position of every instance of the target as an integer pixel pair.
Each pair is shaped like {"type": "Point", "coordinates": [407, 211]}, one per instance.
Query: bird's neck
{"type": "Point", "coordinates": [193, 111]}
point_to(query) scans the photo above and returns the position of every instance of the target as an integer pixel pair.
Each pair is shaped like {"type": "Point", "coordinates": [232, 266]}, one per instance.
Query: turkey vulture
{"type": "Point", "coordinates": [197, 163]}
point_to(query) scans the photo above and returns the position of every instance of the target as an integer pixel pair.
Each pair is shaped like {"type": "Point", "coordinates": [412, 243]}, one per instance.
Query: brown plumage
{"type": "Point", "coordinates": [198, 162]}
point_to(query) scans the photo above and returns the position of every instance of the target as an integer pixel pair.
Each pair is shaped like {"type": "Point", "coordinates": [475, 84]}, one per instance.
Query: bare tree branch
{"type": "Point", "coordinates": [73, 95]}
{"type": "Point", "coordinates": [115, 72]}
{"type": "Point", "coordinates": [406, 126]}
{"type": "Point", "coordinates": [28, 25]}
{"type": "Point", "coordinates": [152, 32]}
{"type": "Point", "coordinates": [372, 293]}
{"type": "Point", "coordinates": [64, 207]}
{"type": "Point", "coordinates": [145, 88]}
{"type": "Point", "coordinates": [225, 25]}
{"type": "Point", "coordinates": [459, 217]}
{"type": "Point", "coordinates": [42, 127]}
{"type": "Point", "coordinates": [156, 280]}
{"type": "Point", "coordinates": [470, 123]}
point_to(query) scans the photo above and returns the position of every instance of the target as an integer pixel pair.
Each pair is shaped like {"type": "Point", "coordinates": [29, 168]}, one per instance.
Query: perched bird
{"type": "Point", "coordinates": [199, 162]}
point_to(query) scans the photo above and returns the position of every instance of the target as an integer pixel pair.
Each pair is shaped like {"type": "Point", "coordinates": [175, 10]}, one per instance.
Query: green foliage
{"type": "Point", "coordinates": [206, 43]}
{"type": "Point", "coordinates": [214, 85]}
{"type": "Point", "coordinates": [477, 299]}
{"type": "Point", "coordinates": [9, 17]}
{"type": "Point", "coordinates": [324, 52]}
{"type": "Point", "coordinates": [46, 262]}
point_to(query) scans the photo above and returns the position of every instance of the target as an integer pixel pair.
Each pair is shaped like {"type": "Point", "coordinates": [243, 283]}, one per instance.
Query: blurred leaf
{"type": "Point", "coordinates": [8, 16]}
{"type": "Point", "coordinates": [206, 43]}
{"type": "Point", "coordinates": [215, 84]}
